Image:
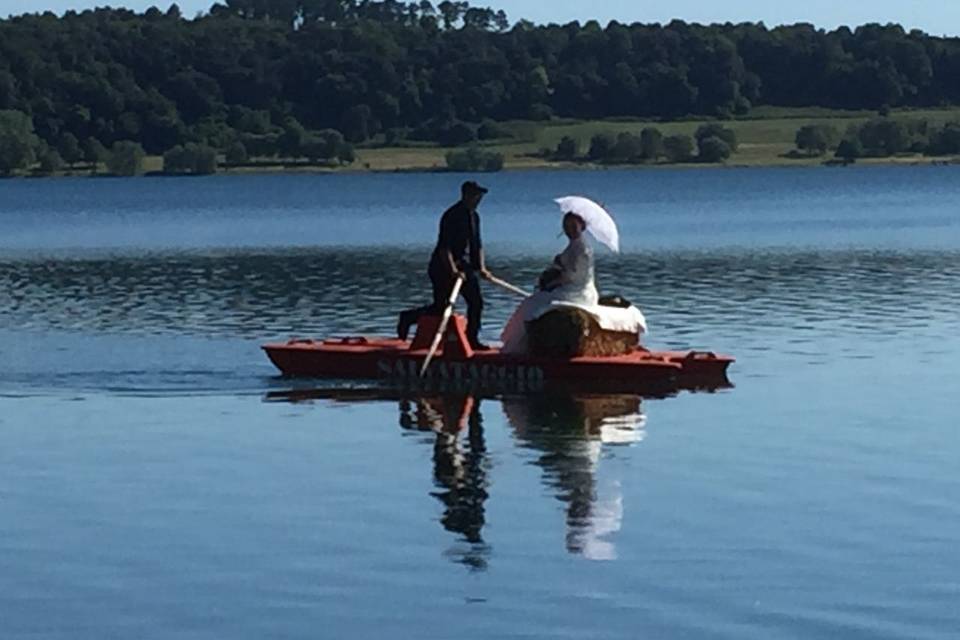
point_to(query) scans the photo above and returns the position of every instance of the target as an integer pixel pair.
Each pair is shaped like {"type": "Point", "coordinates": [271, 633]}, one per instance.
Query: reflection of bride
{"type": "Point", "coordinates": [571, 432]}
{"type": "Point", "coordinates": [569, 280]}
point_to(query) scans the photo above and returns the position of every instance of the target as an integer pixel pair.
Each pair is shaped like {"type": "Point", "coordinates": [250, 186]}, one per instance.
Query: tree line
{"type": "Point", "coordinates": [881, 138]}
{"type": "Point", "coordinates": [710, 143]}
{"type": "Point", "coordinates": [279, 77]}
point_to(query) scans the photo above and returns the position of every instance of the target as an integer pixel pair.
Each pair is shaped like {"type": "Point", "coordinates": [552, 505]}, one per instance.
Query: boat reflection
{"type": "Point", "coordinates": [567, 432]}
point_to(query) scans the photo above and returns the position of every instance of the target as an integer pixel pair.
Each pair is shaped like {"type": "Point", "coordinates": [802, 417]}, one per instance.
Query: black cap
{"type": "Point", "coordinates": [470, 188]}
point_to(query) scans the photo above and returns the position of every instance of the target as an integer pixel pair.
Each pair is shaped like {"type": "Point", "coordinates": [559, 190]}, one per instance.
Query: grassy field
{"type": "Point", "coordinates": [766, 139]}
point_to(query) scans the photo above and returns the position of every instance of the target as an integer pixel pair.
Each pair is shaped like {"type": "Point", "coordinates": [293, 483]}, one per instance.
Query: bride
{"type": "Point", "coordinates": [569, 280]}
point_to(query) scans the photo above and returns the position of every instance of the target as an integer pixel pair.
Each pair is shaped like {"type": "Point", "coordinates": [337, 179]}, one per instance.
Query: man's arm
{"type": "Point", "coordinates": [482, 269]}
{"type": "Point", "coordinates": [454, 271]}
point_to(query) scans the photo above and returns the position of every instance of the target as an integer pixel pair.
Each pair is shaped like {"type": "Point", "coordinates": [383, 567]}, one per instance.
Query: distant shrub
{"type": "Point", "coordinates": [919, 131]}
{"type": "Point", "coordinates": [945, 141]}
{"type": "Point", "coordinates": [94, 151]}
{"type": "Point", "coordinates": [322, 145]}
{"type": "Point", "coordinates": [474, 158]}
{"type": "Point", "coordinates": [742, 106]}
{"type": "Point", "coordinates": [714, 149]}
{"type": "Point", "coordinates": [346, 154]}
{"type": "Point", "coordinates": [883, 137]}
{"type": "Point", "coordinates": [816, 138]}
{"type": "Point", "coordinates": [325, 145]}
{"type": "Point", "coordinates": [18, 142]}
{"type": "Point", "coordinates": [717, 130]}
{"type": "Point", "coordinates": [290, 142]}
{"type": "Point", "coordinates": [261, 145]}
{"type": "Point", "coordinates": [205, 160]}
{"type": "Point", "coordinates": [601, 145]}
{"type": "Point", "coordinates": [849, 149]}
{"type": "Point", "coordinates": [237, 154]}
{"type": "Point", "coordinates": [447, 132]}
{"type": "Point", "coordinates": [678, 148]}
{"type": "Point", "coordinates": [651, 144]}
{"type": "Point", "coordinates": [69, 148]}
{"type": "Point", "coordinates": [194, 159]}
{"type": "Point", "coordinates": [626, 149]}
{"type": "Point", "coordinates": [175, 160]}
{"type": "Point", "coordinates": [125, 158]}
{"type": "Point", "coordinates": [567, 149]}
{"type": "Point", "coordinates": [50, 161]}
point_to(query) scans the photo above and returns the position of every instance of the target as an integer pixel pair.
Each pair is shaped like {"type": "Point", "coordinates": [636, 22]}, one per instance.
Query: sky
{"type": "Point", "coordinates": [938, 17]}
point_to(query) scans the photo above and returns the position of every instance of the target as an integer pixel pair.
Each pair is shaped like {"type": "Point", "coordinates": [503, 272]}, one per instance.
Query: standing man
{"type": "Point", "coordinates": [459, 253]}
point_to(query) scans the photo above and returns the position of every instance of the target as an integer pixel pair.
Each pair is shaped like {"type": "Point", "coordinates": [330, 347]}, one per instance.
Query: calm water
{"type": "Point", "coordinates": [157, 480]}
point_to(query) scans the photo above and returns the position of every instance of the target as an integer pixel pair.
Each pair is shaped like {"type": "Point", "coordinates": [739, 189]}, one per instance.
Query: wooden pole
{"type": "Point", "coordinates": [503, 284]}
{"type": "Point", "coordinates": [444, 321]}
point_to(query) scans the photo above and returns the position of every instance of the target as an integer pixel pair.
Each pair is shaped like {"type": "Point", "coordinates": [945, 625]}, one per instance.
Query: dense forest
{"type": "Point", "coordinates": [269, 77]}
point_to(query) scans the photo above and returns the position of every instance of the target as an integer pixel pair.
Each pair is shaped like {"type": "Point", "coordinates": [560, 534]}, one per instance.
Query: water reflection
{"type": "Point", "coordinates": [776, 311]}
{"type": "Point", "coordinates": [567, 431]}
{"type": "Point", "coordinates": [690, 297]}
{"type": "Point", "coordinates": [570, 433]}
{"type": "Point", "coordinates": [460, 467]}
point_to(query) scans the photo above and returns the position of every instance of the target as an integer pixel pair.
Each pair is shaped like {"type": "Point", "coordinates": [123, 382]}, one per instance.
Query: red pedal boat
{"type": "Point", "coordinates": [457, 364]}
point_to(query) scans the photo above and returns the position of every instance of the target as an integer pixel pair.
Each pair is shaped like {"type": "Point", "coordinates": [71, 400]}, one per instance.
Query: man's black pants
{"type": "Point", "coordinates": [442, 283]}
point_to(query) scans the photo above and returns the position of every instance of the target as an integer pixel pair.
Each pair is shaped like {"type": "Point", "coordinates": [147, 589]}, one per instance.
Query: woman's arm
{"type": "Point", "coordinates": [552, 277]}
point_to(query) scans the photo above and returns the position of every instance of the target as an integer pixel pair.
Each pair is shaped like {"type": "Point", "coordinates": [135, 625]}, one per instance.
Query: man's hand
{"type": "Point", "coordinates": [485, 274]}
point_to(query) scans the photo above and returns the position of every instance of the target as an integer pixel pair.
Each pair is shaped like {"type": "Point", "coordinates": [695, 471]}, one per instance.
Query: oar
{"type": "Point", "coordinates": [503, 284]}
{"type": "Point", "coordinates": [447, 313]}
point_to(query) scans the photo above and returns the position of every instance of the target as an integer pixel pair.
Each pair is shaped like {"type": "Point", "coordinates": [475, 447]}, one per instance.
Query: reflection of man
{"type": "Point", "coordinates": [459, 253]}
{"type": "Point", "coordinates": [459, 472]}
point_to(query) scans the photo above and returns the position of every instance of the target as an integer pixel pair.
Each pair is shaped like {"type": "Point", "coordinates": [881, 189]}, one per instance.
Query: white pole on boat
{"type": "Point", "coordinates": [503, 284]}
{"type": "Point", "coordinates": [447, 314]}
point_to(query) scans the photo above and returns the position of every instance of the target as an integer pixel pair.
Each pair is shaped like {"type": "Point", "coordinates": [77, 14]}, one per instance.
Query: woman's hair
{"type": "Point", "coordinates": [569, 215]}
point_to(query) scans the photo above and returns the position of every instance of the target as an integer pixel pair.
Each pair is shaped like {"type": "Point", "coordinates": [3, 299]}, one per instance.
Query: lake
{"type": "Point", "coordinates": [159, 480]}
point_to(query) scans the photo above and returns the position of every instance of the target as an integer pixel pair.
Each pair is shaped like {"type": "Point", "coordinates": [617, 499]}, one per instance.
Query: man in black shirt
{"type": "Point", "coordinates": [459, 252]}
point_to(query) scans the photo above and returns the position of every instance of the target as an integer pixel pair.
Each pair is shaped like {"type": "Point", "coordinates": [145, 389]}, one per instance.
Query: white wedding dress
{"type": "Point", "coordinates": [576, 288]}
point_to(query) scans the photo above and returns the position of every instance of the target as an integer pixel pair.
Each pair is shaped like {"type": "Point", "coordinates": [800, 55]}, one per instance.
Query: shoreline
{"type": "Point", "coordinates": [802, 163]}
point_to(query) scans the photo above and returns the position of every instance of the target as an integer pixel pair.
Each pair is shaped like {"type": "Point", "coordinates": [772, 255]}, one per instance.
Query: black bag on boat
{"type": "Point", "coordinates": [615, 301]}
